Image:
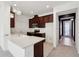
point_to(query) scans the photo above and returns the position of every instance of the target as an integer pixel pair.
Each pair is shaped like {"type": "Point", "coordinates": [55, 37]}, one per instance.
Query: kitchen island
{"type": "Point", "coordinates": [26, 46]}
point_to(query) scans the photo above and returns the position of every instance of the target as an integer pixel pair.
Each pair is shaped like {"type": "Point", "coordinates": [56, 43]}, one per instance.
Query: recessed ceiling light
{"type": "Point", "coordinates": [14, 5]}
{"type": "Point", "coordinates": [47, 6]}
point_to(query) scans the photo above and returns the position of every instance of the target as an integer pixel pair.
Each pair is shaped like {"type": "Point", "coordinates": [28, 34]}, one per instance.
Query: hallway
{"type": "Point", "coordinates": [64, 51]}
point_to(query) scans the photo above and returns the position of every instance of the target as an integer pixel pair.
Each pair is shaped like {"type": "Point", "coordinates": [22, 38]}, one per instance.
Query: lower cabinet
{"type": "Point", "coordinates": [38, 49]}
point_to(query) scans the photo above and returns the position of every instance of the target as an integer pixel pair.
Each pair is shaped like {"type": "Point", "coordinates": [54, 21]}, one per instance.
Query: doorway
{"type": "Point", "coordinates": [67, 28]}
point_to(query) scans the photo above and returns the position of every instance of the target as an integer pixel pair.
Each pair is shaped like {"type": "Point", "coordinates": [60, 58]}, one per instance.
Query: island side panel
{"type": "Point", "coordinates": [29, 51]}
{"type": "Point", "coordinates": [15, 50]}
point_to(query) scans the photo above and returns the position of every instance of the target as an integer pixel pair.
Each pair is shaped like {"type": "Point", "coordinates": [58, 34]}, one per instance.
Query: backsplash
{"type": "Point", "coordinates": [15, 31]}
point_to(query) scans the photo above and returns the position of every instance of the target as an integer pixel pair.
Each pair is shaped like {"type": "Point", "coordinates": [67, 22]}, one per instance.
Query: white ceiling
{"type": "Point", "coordinates": [38, 7]}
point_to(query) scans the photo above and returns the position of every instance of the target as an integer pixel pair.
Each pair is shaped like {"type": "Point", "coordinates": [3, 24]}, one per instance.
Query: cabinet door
{"type": "Point", "coordinates": [38, 49]}
{"type": "Point", "coordinates": [12, 20]}
{"type": "Point", "coordinates": [48, 18]}
{"type": "Point", "coordinates": [41, 22]}
{"type": "Point", "coordinates": [30, 23]}
{"type": "Point", "coordinates": [12, 23]}
{"type": "Point", "coordinates": [35, 20]}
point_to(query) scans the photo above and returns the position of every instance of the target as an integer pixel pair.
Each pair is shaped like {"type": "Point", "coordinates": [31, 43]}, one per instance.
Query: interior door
{"type": "Point", "coordinates": [67, 28]}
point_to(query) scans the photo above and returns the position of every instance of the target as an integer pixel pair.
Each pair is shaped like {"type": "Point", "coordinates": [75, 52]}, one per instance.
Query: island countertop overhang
{"type": "Point", "coordinates": [25, 41]}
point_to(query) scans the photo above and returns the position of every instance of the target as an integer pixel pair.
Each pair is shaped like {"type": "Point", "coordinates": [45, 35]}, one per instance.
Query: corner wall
{"type": "Point", "coordinates": [4, 24]}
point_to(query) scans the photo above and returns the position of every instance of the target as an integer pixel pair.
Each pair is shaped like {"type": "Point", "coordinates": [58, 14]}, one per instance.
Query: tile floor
{"type": "Point", "coordinates": [5, 53]}
{"type": "Point", "coordinates": [64, 51]}
{"type": "Point", "coordinates": [47, 48]}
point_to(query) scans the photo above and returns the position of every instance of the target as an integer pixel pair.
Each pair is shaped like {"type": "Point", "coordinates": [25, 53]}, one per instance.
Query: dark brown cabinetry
{"type": "Point", "coordinates": [12, 20]}
{"type": "Point", "coordinates": [30, 23]}
{"type": "Point", "coordinates": [48, 18]}
{"type": "Point", "coordinates": [40, 21]}
{"type": "Point", "coordinates": [36, 34]}
{"type": "Point", "coordinates": [38, 49]}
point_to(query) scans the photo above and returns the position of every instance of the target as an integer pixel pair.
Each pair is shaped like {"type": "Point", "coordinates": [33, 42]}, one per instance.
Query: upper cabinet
{"type": "Point", "coordinates": [48, 18]}
{"type": "Point", "coordinates": [12, 19]}
{"type": "Point", "coordinates": [40, 21]}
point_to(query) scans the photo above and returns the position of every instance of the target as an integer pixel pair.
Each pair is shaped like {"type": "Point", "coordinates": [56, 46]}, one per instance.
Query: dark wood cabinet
{"type": "Point", "coordinates": [30, 23]}
{"type": "Point", "coordinates": [48, 18]}
{"type": "Point", "coordinates": [39, 49]}
{"type": "Point", "coordinates": [36, 34]}
{"type": "Point", "coordinates": [12, 20]}
{"type": "Point", "coordinates": [12, 23]}
{"type": "Point", "coordinates": [40, 21]}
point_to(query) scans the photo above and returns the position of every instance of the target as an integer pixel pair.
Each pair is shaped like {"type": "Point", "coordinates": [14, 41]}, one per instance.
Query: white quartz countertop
{"type": "Point", "coordinates": [24, 40]}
